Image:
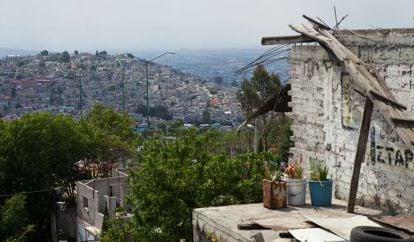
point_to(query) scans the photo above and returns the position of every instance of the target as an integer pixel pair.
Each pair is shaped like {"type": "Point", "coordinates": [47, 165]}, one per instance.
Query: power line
{"type": "Point", "coordinates": [29, 192]}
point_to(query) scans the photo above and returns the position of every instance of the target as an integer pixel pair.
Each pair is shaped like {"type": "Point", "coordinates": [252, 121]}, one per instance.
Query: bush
{"type": "Point", "coordinates": [176, 176]}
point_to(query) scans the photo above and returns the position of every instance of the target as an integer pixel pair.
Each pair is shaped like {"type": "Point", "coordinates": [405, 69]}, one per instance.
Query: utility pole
{"type": "Point", "coordinates": [146, 77]}
{"type": "Point", "coordinates": [123, 88]}
{"type": "Point", "coordinates": [80, 94]}
{"type": "Point", "coordinates": [147, 97]}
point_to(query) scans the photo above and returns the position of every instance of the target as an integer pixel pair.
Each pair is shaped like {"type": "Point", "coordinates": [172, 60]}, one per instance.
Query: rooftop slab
{"type": "Point", "coordinates": [220, 223]}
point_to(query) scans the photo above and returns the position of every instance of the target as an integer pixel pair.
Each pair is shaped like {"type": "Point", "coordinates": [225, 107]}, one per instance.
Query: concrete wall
{"type": "Point", "coordinates": [96, 192]}
{"type": "Point", "coordinates": [327, 114]}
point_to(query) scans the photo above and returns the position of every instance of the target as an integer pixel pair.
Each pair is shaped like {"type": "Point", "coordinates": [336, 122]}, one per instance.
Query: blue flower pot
{"type": "Point", "coordinates": [321, 192]}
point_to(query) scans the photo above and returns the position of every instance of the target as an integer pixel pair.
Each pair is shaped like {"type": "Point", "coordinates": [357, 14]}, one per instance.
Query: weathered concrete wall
{"type": "Point", "coordinates": [91, 194]}
{"type": "Point", "coordinates": [327, 113]}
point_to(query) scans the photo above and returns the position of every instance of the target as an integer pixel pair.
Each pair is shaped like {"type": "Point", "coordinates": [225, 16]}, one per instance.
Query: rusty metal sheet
{"type": "Point", "coordinates": [403, 222]}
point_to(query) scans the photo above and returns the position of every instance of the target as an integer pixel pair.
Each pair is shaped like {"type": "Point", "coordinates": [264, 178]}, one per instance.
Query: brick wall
{"type": "Point", "coordinates": [327, 114]}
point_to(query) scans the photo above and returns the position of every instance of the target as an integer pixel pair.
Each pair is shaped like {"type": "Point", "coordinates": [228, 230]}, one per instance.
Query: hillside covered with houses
{"type": "Point", "coordinates": [53, 82]}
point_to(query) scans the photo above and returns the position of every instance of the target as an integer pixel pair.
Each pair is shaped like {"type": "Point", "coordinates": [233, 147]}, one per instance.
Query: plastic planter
{"type": "Point", "coordinates": [321, 192]}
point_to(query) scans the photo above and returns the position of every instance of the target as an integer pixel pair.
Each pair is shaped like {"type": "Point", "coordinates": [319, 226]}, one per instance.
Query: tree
{"type": "Point", "coordinates": [76, 52]}
{"type": "Point", "coordinates": [37, 153]}
{"type": "Point", "coordinates": [160, 111]}
{"type": "Point", "coordinates": [14, 220]}
{"type": "Point", "coordinates": [254, 92]}
{"type": "Point", "coordinates": [65, 57]}
{"type": "Point", "coordinates": [206, 117]}
{"type": "Point", "coordinates": [108, 120]}
{"type": "Point", "coordinates": [44, 53]}
{"type": "Point", "coordinates": [111, 135]}
{"type": "Point", "coordinates": [177, 175]}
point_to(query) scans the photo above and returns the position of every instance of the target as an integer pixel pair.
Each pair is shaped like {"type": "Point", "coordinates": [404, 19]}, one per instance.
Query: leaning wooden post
{"type": "Point", "coordinates": [360, 153]}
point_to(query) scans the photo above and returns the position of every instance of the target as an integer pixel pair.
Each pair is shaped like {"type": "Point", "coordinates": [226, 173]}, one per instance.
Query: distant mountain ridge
{"type": "Point", "coordinates": [9, 51]}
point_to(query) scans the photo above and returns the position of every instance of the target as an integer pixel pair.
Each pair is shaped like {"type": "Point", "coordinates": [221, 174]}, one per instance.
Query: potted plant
{"type": "Point", "coordinates": [319, 185]}
{"type": "Point", "coordinates": [296, 184]}
{"type": "Point", "coordinates": [274, 190]}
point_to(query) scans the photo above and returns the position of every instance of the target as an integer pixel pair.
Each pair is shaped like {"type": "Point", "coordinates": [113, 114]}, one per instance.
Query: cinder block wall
{"type": "Point", "coordinates": [327, 114]}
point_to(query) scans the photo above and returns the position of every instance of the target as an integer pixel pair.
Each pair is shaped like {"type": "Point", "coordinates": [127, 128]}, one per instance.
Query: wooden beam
{"type": "Point", "coordinates": [281, 40]}
{"type": "Point", "coordinates": [317, 23]}
{"type": "Point", "coordinates": [400, 120]}
{"type": "Point", "coordinates": [386, 99]}
{"type": "Point", "coordinates": [360, 153]}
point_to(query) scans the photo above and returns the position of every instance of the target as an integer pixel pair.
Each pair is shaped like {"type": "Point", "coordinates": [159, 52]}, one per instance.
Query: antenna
{"type": "Point", "coordinates": [336, 17]}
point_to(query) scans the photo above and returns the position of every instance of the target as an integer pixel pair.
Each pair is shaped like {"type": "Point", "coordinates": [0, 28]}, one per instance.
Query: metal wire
{"type": "Point", "coordinates": [269, 56]}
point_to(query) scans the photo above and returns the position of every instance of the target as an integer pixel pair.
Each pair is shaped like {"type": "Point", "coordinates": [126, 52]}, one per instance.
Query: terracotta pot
{"type": "Point", "coordinates": [274, 194]}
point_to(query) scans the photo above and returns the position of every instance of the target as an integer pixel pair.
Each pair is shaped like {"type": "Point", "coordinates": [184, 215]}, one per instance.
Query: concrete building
{"type": "Point", "coordinates": [98, 198]}
{"type": "Point", "coordinates": [335, 76]}
{"type": "Point", "coordinates": [327, 113]}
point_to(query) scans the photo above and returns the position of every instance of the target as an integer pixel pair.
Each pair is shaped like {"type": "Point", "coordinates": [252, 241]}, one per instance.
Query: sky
{"type": "Point", "coordinates": [124, 25]}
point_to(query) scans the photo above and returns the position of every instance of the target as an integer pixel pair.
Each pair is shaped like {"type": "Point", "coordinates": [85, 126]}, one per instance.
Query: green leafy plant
{"type": "Point", "coordinates": [271, 168]}
{"type": "Point", "coordinates": [318, 171]}
{"type": "Point", "coordinates": [277, 175]}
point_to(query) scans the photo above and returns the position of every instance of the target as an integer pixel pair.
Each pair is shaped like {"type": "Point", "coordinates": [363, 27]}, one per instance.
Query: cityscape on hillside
{"type": "Point", "coordinates": [206, 121]}
{"type": "Point", "coordinates": [198, 84]}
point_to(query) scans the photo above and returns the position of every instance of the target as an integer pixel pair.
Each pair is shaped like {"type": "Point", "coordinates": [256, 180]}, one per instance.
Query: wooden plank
{"type": "Point", "coordinates": [400, 120]}
{"type": "Point", "coordinates": [283, 222]}
{"type": "Point", "coordinates": [386, 99]}
{"type": "Point", "coordinates": [317, 23]}
{"type": "Point", "coordinates": [342, 226]}
{"type": "Point", "coordinates": [360, 153]}
{"type": "Point", "coordinates": [314, 235]}
{"type": "Point", "coordinates": [285, 40]}
{"type": "Point", "coordinates": [403, 222]}
{"type": "Point", "coordinates": [373, 70]}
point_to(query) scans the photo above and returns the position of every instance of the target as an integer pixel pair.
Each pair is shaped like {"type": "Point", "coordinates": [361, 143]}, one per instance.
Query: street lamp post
{"type": "Point", "coordinates": [147, 80]}
{"type": "Point", "coordinates": [255, 139]}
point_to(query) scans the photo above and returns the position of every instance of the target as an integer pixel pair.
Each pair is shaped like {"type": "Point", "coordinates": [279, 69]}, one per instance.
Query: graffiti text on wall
{"type": "Point", "coordinates": [388, 153]}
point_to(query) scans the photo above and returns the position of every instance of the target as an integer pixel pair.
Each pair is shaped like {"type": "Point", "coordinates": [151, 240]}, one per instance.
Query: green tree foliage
{"type": "Point", "coordinates": [205, 117]}
{"type": "Point", "coordinates": [107, 119]}
{"type": "Point", "coordinates": [65, 57]}
{"type": "Point", "coordinates": [44, 53]}
{"type": "Point", "coordinates": [177, 175]}
{"type": "Point", "coordinates": [158, 111]}
{"type": "Point", "coordinates": [38, 153]}
{"type": "Point", "coordinates": [111, 138]}
{"type": "Point", "coordinates": [14, 221]}
{"type": "Point", "coordinates": [254, 92]}
{"type": "Point", "coordinates": [257, 90]}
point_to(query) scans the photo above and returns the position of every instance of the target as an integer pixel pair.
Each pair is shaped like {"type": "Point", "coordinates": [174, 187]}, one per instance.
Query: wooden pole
{"type": "Point", "coordinates": [360, 153]}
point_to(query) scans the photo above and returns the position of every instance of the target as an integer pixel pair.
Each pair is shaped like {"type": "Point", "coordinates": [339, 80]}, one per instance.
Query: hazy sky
{"type": "Point", "coordinates": [176, 24]}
